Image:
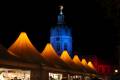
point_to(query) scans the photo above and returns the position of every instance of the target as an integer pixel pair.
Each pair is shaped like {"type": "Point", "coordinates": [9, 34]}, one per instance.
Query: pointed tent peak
{"type": "Point", "coordinates": [23, 46]}
{"type": "Point", "coordinates": [49, 44]}
{"type": "Point", "coordinates": [51, 57]}
{"type": "Point", "coordinates": [49, 47]}
{"type": "Point", "coordinates": [65, 56]}
{"type": "Point", "coordinates": [23, 35]}
{"type": "Point", "coordinates": [49, 51]}
{"type": "Point", "coordinates": [84, 62]}
{"type": "Point", "coordinates": [90, 64]}
{"type": "Point", "coordinates": [67, 59]}
{"type": "Point", "coordinates": [76, 59]}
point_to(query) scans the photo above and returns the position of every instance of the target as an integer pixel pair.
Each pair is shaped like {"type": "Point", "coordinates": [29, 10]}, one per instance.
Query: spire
{"type": "Point", "coordinates": [61, 16]}
{"type": "Point", "coordinates": [61, 8]}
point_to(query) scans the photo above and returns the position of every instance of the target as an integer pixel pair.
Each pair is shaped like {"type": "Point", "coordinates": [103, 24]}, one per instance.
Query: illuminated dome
{"type": "Point", "coordinates": [60, 35]}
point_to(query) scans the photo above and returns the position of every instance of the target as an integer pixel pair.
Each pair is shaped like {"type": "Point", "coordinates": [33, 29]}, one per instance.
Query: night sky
{"type": "Point", "coordinates": [91, 22]}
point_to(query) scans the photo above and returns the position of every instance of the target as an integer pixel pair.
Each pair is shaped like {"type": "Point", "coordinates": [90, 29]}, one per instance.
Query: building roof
{"type": "Point", "coordinates": [24, 49]}
{"type": "Point", "coordinates": [5, 54]}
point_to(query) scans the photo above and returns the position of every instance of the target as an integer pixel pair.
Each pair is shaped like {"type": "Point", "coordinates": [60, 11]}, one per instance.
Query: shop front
{"type": "Point", "coordinates": [14, 74]}
{"type": "Point", "coordinates": [55, 76]}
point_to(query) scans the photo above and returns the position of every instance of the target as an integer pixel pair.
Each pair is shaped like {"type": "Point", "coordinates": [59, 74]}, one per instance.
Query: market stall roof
{"type": "Point", "coordinates": [90, 64]}
{"type": "Point", "coordinates": [77, 61]}
{"type": "Point", "coordinates": [85, 64]}
{"type": "Point", "coordinates": [67, 59]}
{"type": "Point", "coordinates": [7, 59]}
{"type": "Point", "coordinates": [5, 54]}
{"type": "Point", "coordinates": [50, 55]}
{"type": "Point", "coordinates": [23, 48]}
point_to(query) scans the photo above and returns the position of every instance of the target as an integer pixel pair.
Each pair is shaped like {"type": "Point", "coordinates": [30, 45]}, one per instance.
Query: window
{"type": "Point", "coordinates": [57, 39]}
{"type": "Point", "coordinates": [65, 46]}
{"type": "Point", "coordinates": [58, 46]}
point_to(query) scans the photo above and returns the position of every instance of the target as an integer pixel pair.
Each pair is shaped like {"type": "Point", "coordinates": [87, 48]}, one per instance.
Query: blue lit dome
{"type": "Point", "coordinates": [60, 29]}
{"type": "Point", "coordinates": [60, 36]}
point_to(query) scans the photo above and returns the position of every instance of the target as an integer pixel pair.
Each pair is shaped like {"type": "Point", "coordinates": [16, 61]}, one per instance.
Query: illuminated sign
{"type": "Point", "coordinates": [55, 76]}
{"type": "Point", "coordinates": [14, 74]}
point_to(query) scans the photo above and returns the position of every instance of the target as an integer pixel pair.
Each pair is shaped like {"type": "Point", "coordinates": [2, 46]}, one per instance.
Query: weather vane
{"type": "Point", "coordinates": [61, 8]}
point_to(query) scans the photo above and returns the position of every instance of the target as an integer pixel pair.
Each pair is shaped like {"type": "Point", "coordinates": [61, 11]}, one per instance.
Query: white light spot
{"type": "Point", "coordinates": [116, 70]}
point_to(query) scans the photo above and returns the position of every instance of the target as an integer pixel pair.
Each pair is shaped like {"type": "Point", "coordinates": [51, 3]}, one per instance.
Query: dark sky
{"type": "Point", "coordinates": [91, 22]}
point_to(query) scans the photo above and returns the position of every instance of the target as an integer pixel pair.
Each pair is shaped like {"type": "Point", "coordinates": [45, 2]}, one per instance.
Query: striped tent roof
{"type": "Point", "coordinates": [50, 55]}
{"type": "Point", "coordinates": [68, 60]}
{"type": "Point", "coordinates": [77, 61]}
{"type": "Point", "coordinates": [85, 64]}
{"type": "Point", "coordinates": [24, 49]}
{"type": "Point", "coordinates": [90, 64]}
{"type": "Point", "coordinates": [5, 54]}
